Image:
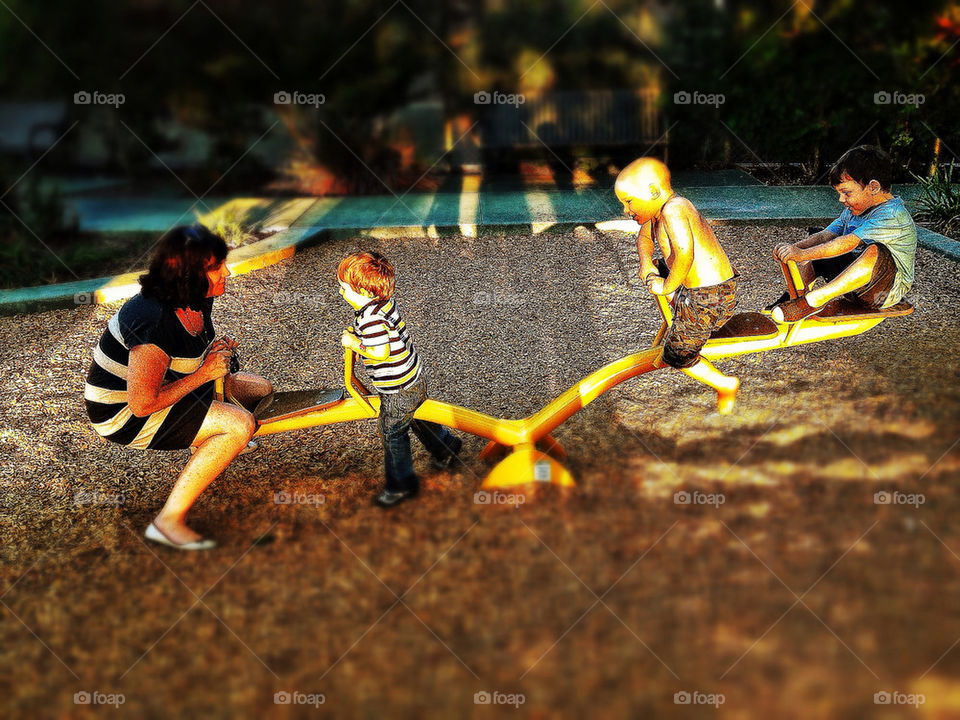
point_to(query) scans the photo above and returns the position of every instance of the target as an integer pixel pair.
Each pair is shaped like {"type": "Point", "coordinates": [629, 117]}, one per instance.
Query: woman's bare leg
{"type": "Point", "coordinates": [247, 388]}
{"type": "Point", "coordinates": [225, 432]}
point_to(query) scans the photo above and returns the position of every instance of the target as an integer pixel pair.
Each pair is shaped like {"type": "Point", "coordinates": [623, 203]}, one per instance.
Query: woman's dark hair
{"type": "Point", "coordinates": [863, 164]}
{"type": "Point", "coordinates": [178, 270]}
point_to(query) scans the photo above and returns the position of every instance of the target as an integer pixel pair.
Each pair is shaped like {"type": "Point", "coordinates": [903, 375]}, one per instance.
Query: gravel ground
{"type": "Point", "coordinates": [504, 323]}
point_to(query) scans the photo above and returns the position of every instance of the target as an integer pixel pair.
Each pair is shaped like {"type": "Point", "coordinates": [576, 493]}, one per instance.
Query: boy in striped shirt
{"type": "Point", "coordinates": [381, 339]}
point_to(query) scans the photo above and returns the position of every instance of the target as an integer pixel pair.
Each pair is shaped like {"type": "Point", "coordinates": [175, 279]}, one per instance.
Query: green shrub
{"type": "Point", "coordinates": [228, 226]}
{"type": "Point", "coordinates": [939, 200]}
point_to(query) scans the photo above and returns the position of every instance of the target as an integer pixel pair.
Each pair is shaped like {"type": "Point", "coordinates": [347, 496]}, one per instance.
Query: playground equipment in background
{"type": "Point", "coordinates": [534, 455]}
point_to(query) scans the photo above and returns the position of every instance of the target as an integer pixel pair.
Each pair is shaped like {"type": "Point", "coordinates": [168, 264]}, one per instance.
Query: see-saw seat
{"type": "Point", "coordinates": [282, 405]}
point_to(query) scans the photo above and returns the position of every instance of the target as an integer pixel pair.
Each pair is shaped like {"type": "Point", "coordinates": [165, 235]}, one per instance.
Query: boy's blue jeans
{"type": "Point", "coordinates": [395, 421]}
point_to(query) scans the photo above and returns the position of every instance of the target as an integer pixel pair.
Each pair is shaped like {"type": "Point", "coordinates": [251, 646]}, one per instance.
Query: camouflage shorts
{"type": "Point", "coordinates": [697, 313]}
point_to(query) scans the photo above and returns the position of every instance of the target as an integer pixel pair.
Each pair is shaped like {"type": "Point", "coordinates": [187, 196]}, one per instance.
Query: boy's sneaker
{"type": "Point", "coordinates": [451, 457]}
{"type": "Point", "coordinates": [389, 498]}
{"type": "Point", "coordinates": [793, 311]}
{"type": "Point", "coordinates": [782, 299]}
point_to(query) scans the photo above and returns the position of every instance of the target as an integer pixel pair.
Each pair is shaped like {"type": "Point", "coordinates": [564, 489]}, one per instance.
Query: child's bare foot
{"type": "Point", "coordinates": [727, 397]}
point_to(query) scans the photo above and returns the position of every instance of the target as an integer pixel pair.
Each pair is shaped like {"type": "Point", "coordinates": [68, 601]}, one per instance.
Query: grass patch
{"type": "Point", "coordinates": [26, 262]}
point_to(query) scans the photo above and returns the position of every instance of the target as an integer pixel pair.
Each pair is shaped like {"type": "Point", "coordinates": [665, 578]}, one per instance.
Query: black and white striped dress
{"type": "Point", "coordinates": [147, 321]}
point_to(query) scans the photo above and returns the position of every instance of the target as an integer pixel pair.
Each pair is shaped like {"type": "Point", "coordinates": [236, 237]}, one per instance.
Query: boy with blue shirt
{"type": "Point", "coordinates": [869, 250]}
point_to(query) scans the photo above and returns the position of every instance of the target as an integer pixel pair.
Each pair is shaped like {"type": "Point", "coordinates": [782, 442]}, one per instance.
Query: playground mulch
{"type": "Point", "coordinates": [792, 593]}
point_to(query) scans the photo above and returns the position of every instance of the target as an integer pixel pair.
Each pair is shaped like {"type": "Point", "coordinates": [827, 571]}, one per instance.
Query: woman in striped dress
{"type": "Point", "coordinates": [151, 383]}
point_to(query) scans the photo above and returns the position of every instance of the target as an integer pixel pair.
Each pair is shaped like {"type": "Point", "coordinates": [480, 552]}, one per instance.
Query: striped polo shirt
{"type": "Point", "coordinates": [379, 323]}
{"type": "Point", "coordinates": [143, 321]}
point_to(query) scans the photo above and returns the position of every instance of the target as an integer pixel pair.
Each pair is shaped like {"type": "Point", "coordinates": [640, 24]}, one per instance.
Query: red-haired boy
{"type": "Point", "coordinates": [381, 339]}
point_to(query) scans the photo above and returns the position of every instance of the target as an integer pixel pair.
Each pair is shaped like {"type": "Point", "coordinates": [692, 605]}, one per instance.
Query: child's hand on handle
{"type": "Point", "coordinates": [349, 340]}
{"type": "Point", "coordinates": [786, 251]}
{"type": "Point", "coordinates": [654, 283]}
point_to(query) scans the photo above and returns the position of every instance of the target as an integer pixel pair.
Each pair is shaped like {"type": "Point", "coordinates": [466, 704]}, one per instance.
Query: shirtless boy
{"type": "Point", "coordinates": [699, 272]}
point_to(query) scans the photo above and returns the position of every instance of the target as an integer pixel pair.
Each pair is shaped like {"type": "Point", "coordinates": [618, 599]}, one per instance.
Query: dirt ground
{"type": "Point", "coordinates": [793, 593]}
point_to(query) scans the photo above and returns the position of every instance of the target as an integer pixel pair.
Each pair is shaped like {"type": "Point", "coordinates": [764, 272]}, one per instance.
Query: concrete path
{"type": "Point", "coordinates": [301, 221]}
{"type": "Point", "coordinates": [730, 203]}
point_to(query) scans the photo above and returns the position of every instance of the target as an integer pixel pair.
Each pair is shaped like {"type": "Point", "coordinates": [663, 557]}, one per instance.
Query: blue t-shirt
{"type": "Point", "coordinates": [889, 224]}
